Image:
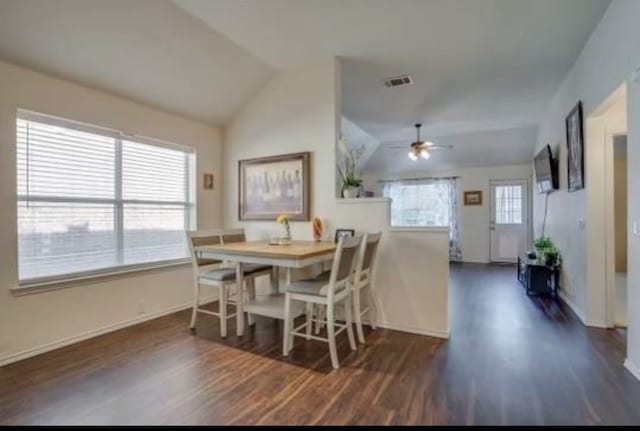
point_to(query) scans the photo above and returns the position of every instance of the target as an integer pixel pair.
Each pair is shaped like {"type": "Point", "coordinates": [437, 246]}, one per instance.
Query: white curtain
{"type": "Point", "coordinates": [426, 202]}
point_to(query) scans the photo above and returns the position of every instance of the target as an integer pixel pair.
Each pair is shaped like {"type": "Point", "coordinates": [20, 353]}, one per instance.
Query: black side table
{"type": "Point", "coordinates": [537, 277]}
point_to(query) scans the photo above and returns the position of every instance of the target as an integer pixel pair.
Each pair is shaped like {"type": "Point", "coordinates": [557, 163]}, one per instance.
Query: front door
{"type": "Point", "coordinates": [509, 219]}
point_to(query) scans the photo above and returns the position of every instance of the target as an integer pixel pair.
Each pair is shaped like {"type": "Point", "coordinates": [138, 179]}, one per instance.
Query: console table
{"type": "Point", "coordinates": [537, 277]}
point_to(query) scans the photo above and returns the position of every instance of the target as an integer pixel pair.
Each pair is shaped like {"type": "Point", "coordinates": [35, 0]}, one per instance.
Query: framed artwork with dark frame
{"type": "Point", "coordinates": [271, 186]}
{"type": "Point", "coordinates": [344, 233]}
{"type": "Point", "coordinates": [575, 149]}
{"type": "Point", "coordinates": [473, 197]}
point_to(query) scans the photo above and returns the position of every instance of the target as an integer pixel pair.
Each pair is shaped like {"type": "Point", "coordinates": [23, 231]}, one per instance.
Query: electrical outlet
{"type": "Point", "coordinates": [636, 228]}
{"type": "Point", "coordinates": [141, 309]}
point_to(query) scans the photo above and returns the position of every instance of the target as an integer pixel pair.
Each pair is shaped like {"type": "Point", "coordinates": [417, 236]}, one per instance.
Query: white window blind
{"type": "Point", "coordinates": [92, 200]}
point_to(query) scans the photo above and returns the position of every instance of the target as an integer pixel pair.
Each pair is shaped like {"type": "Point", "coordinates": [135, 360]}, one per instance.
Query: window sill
{"type": "Point", "coordinates": [62, 282]}
{"type": "Point", "coordinates": [435, 229]}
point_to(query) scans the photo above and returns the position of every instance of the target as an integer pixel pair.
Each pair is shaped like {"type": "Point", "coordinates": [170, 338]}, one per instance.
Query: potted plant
{"type": "Point", "coordinates": [551, 256]}
{"type": "Point", "coordinates": [547, 251]}
{"type": "Point", "coordinates": [348, 159]}
{"type": "Point", "coordinates": [542, 243]}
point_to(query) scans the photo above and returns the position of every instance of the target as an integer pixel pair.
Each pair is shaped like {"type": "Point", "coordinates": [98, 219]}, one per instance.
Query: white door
{"type": "Point", "coordinates": [509, 219]}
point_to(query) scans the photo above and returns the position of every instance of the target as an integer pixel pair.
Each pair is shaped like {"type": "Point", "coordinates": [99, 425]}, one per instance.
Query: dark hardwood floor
{"type": "Point", "coordinates": [510, 360]}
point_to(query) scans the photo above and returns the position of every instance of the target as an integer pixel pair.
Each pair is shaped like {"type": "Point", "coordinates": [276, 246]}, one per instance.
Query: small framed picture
{"type": "Point", "coordinates": [473, 197]}
{"type": "Point", "coordinates": [344, 233]}
{"type": "Point", "coordinates": [207, 181]}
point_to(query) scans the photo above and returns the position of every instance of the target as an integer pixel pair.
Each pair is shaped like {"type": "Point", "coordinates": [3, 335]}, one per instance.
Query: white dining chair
{"type": "Point", "coordinates": [326, 290]}
{"type": "Point", "coordinates": [213, 273]}
{"type": "Point", "coordinates": [363, 282]}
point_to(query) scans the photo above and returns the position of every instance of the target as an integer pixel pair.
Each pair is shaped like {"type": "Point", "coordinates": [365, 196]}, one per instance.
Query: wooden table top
{"type": "Point", "coordinates": [295, 250]}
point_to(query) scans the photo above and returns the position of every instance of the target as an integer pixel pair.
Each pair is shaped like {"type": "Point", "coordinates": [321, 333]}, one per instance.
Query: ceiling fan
{"type": "Point", "coordinates": [420, 148]}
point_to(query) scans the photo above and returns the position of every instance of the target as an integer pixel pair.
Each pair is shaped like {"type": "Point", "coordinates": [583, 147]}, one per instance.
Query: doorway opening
{"type": "Point", "coordinates": [620, 222]}
{"type": "Point", "coordinates": [607, 197]}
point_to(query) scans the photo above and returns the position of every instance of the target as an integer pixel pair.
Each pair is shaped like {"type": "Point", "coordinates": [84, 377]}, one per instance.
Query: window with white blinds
{"type": "Point", "coordinates": [419, 203]}
{"type": "Point", "coordinates": [92, 200]}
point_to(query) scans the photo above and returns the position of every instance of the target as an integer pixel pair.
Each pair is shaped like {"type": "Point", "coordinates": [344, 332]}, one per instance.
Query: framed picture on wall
{"type": "Point", "coordinates": [575, 149]}
{"type": "Point", "coordinates": [473, 197]}
{"type": "Point", "coordinates": [270, 186]}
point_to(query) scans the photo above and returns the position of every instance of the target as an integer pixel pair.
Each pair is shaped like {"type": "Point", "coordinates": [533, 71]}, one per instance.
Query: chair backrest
{"type": "Point", "coordinates": [344, 262]}
{"type": "Point", "coordinates": [200, 238]}
{"type": "Point", "coordinates": [233, 235]}
{"type": "Point", "coordinates": [367, 257]}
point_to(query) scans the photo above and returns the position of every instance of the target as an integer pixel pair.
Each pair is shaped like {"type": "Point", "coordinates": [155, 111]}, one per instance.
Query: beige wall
{"type": "Point", "coordinates": [473, 220]}
{"type": "Point", "coordinates": [41, 321]}
{"type": "Point", "coordinates": [299, 111]}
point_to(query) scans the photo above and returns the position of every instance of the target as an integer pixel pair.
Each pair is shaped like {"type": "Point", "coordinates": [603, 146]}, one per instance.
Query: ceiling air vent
{"type": "Point", "coordinates": [398, 80]}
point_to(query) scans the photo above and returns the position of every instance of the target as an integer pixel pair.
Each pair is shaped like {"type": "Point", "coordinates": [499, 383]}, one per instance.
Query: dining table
{"type": "Point", "coordinates": [296, 254]}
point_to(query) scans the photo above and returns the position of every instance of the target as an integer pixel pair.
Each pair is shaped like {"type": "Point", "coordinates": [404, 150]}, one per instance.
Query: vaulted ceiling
{"type": "Point", "coordinates": [479, 66]}
{"type": "Point", "coordinates": [151, 51]}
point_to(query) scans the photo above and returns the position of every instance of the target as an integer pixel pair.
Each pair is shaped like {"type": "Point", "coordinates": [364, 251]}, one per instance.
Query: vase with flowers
{"type": "Point", "coordinates": [284, 220]}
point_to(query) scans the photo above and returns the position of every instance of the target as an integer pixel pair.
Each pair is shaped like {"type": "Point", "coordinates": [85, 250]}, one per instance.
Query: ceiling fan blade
{"type": "Point", "coordinates": [440, 147]}
{"type": "Point", "coordinates": [398, 146]}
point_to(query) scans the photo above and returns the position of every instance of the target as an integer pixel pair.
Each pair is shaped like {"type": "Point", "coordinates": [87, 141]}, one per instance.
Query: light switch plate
{"type": "Point", "coordinates": [636, 228]}
{"type": "Point", "coordinates": [581, 223]}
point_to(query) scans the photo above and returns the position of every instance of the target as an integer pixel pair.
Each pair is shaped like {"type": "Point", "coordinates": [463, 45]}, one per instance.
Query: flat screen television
{"type": "Point", "coordinates": [546, 171]}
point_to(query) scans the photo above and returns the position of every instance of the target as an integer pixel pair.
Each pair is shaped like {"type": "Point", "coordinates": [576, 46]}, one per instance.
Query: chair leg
{"type": "Point", "coordinates": [251, 292]}
{"type": "Point", "coordinates": [309, 312]}
{"type": "Point", "coordinates": [196, 304]}
{"type": "Point", "coordinates": [222, 302]}
{"type": "Point", "coordinates": [357, 312]}
{"type": "Point", "coordinates": [349, 322]}
{"type": "Point", "coordinates": [287, 325]}
{"type": "Point", "coordinates": [373, 311]}
{"type": "Point", "coordinates": [331, 336]}
{"type": "Point", "coordinates": [322, 314]}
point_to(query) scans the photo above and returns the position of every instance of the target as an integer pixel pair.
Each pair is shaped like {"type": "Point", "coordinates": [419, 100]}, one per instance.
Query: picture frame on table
{"type": "Point", "coordinates": [344, 233]}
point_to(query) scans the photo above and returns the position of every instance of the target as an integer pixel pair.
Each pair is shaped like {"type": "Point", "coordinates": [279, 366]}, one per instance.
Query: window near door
{"type": "Point", "coordinates": [508, 204]}
{"type": "Point", "coordinates": [92, 200]}
{"type": "Point", "coordinates": [419, 204]}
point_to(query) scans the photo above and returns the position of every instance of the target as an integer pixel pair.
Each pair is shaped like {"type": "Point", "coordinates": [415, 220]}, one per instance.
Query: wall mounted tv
{"type": "Point", "coordinates": [546, 170]}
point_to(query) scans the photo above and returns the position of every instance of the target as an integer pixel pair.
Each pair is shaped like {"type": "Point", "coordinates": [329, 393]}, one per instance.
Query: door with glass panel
{"type": "Point", "coordinates": [509, 219]}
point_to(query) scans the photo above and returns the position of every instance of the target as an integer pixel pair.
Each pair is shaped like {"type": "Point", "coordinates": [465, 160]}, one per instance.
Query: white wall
{"type": "Point", "coordinates": [40, 321]}
{"type": "Point", "coordinates": [608, 59]}
{"type": "Point", "coordinates": [473, 220]}
{"type": "Point", "coordinates": [299, 110]}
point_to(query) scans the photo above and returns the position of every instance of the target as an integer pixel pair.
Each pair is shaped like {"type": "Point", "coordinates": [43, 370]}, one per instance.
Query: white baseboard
{"type": "Point", "coordinates": [596, 324]}
{"type": "Point", "coordinates": [414, 330]}
{"type": "Point", "coordinates": [15, 357]}
{"type": "Point", "coordinates": [473, 261]}
{"type": "Point", "coordinates": [573, 306]}
{"type": "Point", "coordinates": [581, 316]}
{"type": "Point", "coordinates": [632, 368]}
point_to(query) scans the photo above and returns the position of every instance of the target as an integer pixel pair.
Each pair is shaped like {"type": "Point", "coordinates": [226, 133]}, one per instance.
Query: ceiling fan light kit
{"type": "Point", "coordinates": [419, 148]}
